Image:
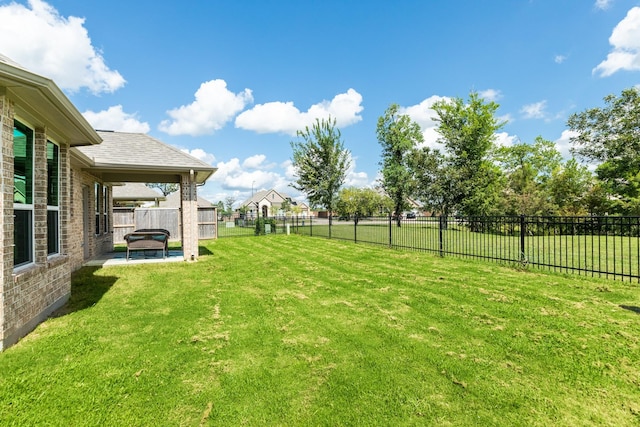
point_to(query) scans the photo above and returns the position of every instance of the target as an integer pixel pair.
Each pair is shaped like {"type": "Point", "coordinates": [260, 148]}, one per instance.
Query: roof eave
{"type": "Point", "coordinates": [42, 101]}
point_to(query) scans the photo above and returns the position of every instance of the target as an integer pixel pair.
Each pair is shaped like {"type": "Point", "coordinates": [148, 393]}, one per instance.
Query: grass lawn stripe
{"type": "Point", "coordinates": [287, 330]}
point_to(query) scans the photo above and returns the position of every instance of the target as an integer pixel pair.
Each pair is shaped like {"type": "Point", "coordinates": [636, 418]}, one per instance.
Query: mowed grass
{"type": "Point", "coordinates": [288, 330]}
{"type": "Point", "coordinates": [583, 254]}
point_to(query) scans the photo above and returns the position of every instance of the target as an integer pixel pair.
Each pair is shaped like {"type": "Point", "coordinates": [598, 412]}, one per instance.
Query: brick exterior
{"type": "Point", "coordinates": [82, 182]}
{"type": "Point", "coordinates": [189, 205]}
{"type": "Point", "coordinates": [29, 294]}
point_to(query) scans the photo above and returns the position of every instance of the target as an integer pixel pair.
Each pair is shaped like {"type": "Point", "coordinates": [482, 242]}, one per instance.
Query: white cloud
{"type": "Point", "coordinates": [284, 117]}
{"type": "Point", "coordinates": [535, 110]}
{"type": "Point", "coordinates": [503, 139]}
{"type": "Point", "coordinates": [289, 170]}
{"type": "Point", "coordinates": [625, 40]}
{"type": "Point", "coordinates": [425, 116]}
{"type": "Point", "coordinates": [490, 94]}
{"type": "Point", "coordinates": [213, 107]}
{"type": "Point", "coordinates": [254, 162]}
{"type": "Point", "coordinates": [563, 144]}
{"type": "Point", "coordinates": [603, 4]}
{"type": "Point", "coordinates": [559, 59]}
{"type": "Point", "coordinates": [354, 178]}
{"type": "Point", "coordinates": [56, 47]}
{"type": "Point", "coordinates": [233, 175]}
{"type": "Point", "coordinates": [200, 154]}
{"type": "Point", "coordinates": [116, 119]}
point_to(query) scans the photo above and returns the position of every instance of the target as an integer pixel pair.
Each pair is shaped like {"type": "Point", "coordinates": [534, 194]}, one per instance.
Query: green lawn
{"type": "Point", "coordinates": [619, 255]}
{"type": "Point", "coordinates": [288, 330]}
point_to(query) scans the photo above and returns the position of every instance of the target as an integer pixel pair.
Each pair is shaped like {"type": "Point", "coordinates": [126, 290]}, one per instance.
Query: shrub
{"type": "Point", "coordinates": [260, 226]}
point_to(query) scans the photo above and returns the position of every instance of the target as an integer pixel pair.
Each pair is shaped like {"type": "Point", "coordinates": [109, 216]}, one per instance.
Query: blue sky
{"type": "Point", "coordinates": [231, 81]}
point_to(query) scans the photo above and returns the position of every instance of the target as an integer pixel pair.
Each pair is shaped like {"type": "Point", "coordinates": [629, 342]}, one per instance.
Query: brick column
{"type": "Point", "coordinates": [189, 204]}
{"type": "Point", "coordinates": [40, 195]}
{"type": "Point", "coordinates": [6, 206]}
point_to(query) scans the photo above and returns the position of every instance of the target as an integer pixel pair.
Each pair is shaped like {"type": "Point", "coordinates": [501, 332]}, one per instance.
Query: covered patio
{"type": "Point", "coordinates": [139, 158]}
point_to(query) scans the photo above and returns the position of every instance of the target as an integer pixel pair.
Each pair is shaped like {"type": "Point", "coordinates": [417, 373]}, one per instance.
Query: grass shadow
{"type": "Point", "coordinates": [87, 289]}
{"type": "Point", "coordinates": [203, 250]}
{"type": "Point", "coordinates": [633, 308]}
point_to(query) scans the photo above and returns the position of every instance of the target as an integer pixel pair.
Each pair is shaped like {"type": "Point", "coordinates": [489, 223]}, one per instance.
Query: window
{"type": "Point", "coordinates": [105, 208]}
{"type": "Point", "coordinates": [53, 198]}
{"type": "Point", "coordinates": [22, 194]}
{"type": "Point", "coordinates": [96, 197]}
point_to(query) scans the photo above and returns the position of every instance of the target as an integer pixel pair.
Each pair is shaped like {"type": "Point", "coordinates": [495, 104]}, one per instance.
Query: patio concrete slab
{"type": "Point", "coordinates": [135, 257]}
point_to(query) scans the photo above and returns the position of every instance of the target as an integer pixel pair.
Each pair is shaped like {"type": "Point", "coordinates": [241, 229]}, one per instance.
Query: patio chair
{"type": "Point", "coordinates": [148, 239]}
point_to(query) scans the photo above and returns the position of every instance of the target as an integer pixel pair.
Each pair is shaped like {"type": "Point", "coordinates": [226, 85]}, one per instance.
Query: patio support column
{"type": "Point", "coordinates": [189, 204]}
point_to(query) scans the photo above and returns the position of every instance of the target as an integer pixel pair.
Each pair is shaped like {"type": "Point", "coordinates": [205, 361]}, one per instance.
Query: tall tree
{"type": "Point", "coordinates": [570, 187]}
{"type": "Point", "coordinates": [433, 179]}
{"type": "Point", "coordinates": [321, 163]}
{"type": "Point", "coordinates": [528, 168]}
{"type": "Point", "coordinates": [166, 187]}
{"type": "Point", "coordinates": [359, 202]}
{"type": "Point", "coordinates": [399, 137]}
{"type": "Point", "coordinates": [610, 137]}
{"type": "Point", "coordinates": [473, 182]}
{"type": "Point", "coordinates": [229, 201]}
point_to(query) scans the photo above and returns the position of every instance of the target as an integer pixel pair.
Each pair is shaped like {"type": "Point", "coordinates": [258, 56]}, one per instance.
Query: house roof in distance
{"type": "Point", "coordinates": [138, 157]}
{"type": "Point", "coordinates": [173, 201]}
{"type": "Point", "coordinates": [135, 192]}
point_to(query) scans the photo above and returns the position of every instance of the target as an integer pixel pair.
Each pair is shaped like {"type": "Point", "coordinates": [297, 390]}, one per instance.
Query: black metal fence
{"type": "Point", "coordinates": [238, 227]}
{"type": "Point", "coordinates": [606, 246]}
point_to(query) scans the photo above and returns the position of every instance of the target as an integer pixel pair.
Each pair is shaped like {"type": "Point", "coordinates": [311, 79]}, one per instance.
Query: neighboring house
{"type": "Point", "coordinates": [57, 178]}
{"type": "Point", "coordinates": [413, 205]}
{"type": "Point", "coordinates": [265, 201]}
{"type": "Point", "coordinates": [135, 194]}
{"type": "Point", "coordinates": [173, 201]}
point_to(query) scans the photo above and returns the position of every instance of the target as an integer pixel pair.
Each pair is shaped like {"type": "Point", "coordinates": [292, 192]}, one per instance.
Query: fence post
{"type": "Point", "coordinates": [355, 229]}
{"type": "Point", "coordinates": [523, 232]}
{"type": "Point", "coordinates": [311, 225]}
{"type": "Point", "coordinates": [441, 225]}
{"type": "Point", "coordinates": [390, 241]}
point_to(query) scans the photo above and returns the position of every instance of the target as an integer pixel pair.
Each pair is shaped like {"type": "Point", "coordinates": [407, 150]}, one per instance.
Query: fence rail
{"type": "Point", "coordinates": [607, 246]}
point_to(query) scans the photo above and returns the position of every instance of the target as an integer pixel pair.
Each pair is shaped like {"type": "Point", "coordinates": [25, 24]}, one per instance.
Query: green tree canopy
{"type": "Point", "coordinates": [399, 137]}
{"type": "Point", "coordinates": [528, 168]}
{"type": "Point", "coordinates": [321, 163]}
{"type": "Point", "coordinates": [610, 137]}
{"type": "Point", "coordinates": [463, 178]}
{"type": "Point", "coordinates": [360, 202]}
{"type": "Point", "coordinates": [570, 188]}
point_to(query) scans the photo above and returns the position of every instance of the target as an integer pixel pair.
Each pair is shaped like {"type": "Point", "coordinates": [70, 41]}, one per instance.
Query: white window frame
{"type": "Point", "coordinates": [97, 195]}
{"type": "Point", "coordinates": [27, 207]}
{"type": "Point", "coordinates": [105, 209]}
{"type": "Point", "coordinates": [54, 208]}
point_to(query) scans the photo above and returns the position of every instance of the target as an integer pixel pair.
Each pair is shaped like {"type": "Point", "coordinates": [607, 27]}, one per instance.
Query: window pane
{"type": "Point", "coordinates": [22, 164]}
{"type": "Point", "coordinates": [52, 233]}
{"type": "Point", "coordinates": [105, 207]}
{"type": "Point", "coordinates": [96, 194]}
{"type": "Point", "coordinates": [53, 173]}
{"type": "Point", "coordinates": [23, 250]}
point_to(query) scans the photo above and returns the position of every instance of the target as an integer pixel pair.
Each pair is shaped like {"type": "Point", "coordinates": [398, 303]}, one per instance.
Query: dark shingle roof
{"type": "Point", "coordinates": [122, 152]}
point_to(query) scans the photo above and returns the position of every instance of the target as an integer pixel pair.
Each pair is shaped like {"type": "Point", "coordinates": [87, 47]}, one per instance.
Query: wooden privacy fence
{"type": "Point", "coordinates": [126, 220]}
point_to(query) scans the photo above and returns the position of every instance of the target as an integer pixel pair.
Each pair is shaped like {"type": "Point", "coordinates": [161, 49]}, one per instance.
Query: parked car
{"type": "Point", "coordinates": [411, 215]}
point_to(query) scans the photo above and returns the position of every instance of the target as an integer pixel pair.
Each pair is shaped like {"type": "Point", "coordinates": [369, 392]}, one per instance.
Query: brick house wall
{"type": "Point", "coordinates": [81, 182]}
{"type": "Point", "coordinates": [29, 294]}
